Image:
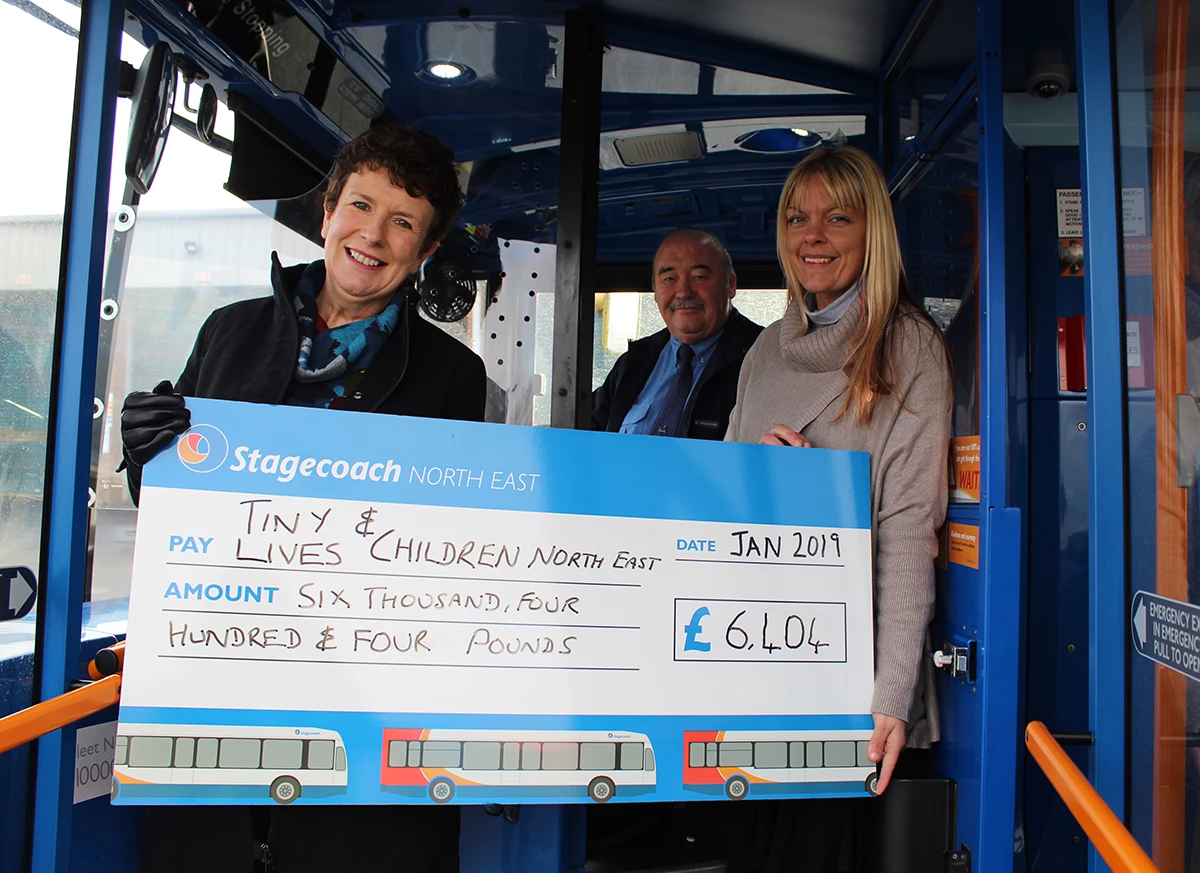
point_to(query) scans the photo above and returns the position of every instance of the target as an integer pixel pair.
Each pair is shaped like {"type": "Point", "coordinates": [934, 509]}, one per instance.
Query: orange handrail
{"type": "Point", "coordinates": [50, 715]}
{"type": "Point", "coordinates": [1109, 835]}
{"type": "Point", "coordinates": [108, 661]}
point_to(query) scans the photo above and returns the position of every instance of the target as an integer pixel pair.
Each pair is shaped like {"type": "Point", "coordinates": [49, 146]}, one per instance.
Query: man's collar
{"type": "Point", "coordinates": [703, 348]}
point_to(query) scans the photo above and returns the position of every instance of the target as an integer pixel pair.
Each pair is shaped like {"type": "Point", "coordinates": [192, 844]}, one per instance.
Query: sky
{"type": "Point", "coordinates": [36, 146]}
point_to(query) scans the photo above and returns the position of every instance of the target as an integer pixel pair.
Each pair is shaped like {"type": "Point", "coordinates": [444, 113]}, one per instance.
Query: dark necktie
{"type": "Point", "coordinates": [677, 394]}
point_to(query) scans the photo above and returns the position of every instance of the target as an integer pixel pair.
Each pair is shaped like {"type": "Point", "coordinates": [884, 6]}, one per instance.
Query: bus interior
{"type": "Point", "coordinates": [1043, 163]}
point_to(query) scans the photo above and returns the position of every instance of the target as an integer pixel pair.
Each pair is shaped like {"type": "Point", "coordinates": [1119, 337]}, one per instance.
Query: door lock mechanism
{"type": "Point", "coordinates": [958, 661]}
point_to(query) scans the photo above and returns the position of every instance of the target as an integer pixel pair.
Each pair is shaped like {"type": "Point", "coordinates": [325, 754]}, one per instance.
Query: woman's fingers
{"type": "Point", "coordinates": [782, 435]}
{"type": "Point", "coordinates": [886, 744]}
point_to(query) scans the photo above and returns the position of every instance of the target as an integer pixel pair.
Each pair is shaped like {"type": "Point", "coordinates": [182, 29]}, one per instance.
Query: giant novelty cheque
{"type": "Point", "coordinates": [335, 607]}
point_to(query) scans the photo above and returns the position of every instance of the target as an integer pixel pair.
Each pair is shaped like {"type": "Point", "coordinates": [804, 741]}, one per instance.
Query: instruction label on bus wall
{"type": "Point", "coordinates": [1167, 631]}
{"type": "Point", "coordinates": [335, 607]}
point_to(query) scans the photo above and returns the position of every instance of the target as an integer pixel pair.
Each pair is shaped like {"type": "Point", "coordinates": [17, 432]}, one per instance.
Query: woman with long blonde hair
{"type": "Point", "coordinates": [855, 363]}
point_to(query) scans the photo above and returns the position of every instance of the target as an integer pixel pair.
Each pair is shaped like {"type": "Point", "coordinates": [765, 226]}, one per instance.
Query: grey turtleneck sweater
{"type": "Point", "coordinates": [800, 381]}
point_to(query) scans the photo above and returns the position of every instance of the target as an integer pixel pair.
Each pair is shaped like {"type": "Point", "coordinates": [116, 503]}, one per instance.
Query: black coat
{"type": "Point", "coordinates": [247, 351]}
{"type": "Point", "coordinates": [706, 415]}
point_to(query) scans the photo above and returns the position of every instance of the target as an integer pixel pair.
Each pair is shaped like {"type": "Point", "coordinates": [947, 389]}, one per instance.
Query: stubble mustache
{"type": "Point", "coordinates": [686, 303]}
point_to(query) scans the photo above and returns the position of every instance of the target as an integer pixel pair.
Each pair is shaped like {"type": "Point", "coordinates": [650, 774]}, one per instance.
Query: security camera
{"type": "Point", "coordinates": [1049, 80]}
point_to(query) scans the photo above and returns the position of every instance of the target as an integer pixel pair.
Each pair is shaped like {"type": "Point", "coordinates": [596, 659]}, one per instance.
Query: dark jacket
{"type": "Point", "coordinates": [706, 415]}
{"type": "Point", "coordinates": [247, 351]}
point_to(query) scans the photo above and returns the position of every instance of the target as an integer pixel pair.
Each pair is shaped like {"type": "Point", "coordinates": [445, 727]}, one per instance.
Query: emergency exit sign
{"type": "Point", "coordinates": [1167, 632]}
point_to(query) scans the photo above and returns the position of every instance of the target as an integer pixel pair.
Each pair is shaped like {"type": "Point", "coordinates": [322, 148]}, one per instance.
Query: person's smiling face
{"type": "Point", "coordinates": [826, 242]}
{"type": "Point", "coordinates": [692, 286]}
{"type": "Point", "coordinates": [373, 242]}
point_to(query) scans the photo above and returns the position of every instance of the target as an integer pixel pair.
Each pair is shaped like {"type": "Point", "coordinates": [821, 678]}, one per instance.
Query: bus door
{"type": "Point", "coordinates": [1157, 220]}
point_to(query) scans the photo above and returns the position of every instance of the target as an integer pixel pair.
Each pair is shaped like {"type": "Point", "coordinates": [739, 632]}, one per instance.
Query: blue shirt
{"type": "Point", "coordinates": [641, 416]}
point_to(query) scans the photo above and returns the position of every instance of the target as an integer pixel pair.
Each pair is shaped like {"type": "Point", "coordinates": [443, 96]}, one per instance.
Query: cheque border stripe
{"type": "Point", "coordinates": [538, 470]}
{"type": "Point", "coordinates": [327, 617]}
{"type": "Point", "coordinates": [315, 569]}
{"type": "Point", "coordinates": [400, 664]}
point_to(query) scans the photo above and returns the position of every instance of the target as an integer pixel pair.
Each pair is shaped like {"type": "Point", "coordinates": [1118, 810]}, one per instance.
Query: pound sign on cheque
{"type": "Point", "coordinates": [363, 528]}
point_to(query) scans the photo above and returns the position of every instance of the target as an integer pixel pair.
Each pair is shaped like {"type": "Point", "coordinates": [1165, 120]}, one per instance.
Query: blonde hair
{"type": "Point", "coordinates": [855, 182]}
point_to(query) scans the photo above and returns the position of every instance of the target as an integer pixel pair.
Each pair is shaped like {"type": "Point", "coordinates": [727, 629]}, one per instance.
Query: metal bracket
{"type": "Point", "coordinates": [956, 660]}
{"type": "Point", "coordinates": [1187, 439]}
{"type": "Point", "coordinates": [959, 861]}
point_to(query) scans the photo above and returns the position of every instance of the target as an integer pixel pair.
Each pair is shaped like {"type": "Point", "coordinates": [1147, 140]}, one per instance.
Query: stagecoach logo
{"type": "Point", "coordinates": [202, 448]}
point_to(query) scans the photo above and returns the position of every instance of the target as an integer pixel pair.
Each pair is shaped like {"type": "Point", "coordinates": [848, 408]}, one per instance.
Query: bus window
{"type": "Point", "coordinates": [936, 222]}
{"type": "Point", "coordinates": [414, 754]}
{"type": "Point", "coordinates": [512, 756]}
{"type": "Point", "coordinates": [633, 754]}
{"type": "Point", "coordinates": [282, 754]}
{"type": "Point", "coordinates": [397, 753]}
{"type": "Point", "coordinates": [194, 247]}
{"type": "Point", "coordinates": [339, 759]}
{"type": "Point", "coordinates": [840, 754]}
{"type": "Point", "coordinates": [185, 749]}
{"type": "Point", "coordinates": [796, 754]}
{"type": "Point", "coordinates": [320, 755]}
{"type": "Point", "coordinates": [736, 755]}
{"type": "Point", "coordinates": [481, 756]}
{"type": "Point", "coordinates": [770, 755]}
{"type": "Point", "coordinates": [206, 753]}
{"type": "Point", "coordinates": [597, 756]}
{"type": "Point", "coordinates": [625, 316]}
{"type": "Point", "coordinates": [121, 753]}
{"type": "Point", "coordinates": [240, 753]}
{"type": "Point", "coordinates": [560, 756]}
{"type": "Point", "coordinates": [649, 768]}
{"type": "Point", "coordinates": [531, 756]}
{"type": "Point", "coordinates": [696, 755]}
{"type": "Point", "coordinates": [813, 756]}
{"type": "Point", "coordinates": [31, 226]}
{"type": "Point", "coordinates": [441, 754]}
{"type": "Point", "coordinates": [150, 751]}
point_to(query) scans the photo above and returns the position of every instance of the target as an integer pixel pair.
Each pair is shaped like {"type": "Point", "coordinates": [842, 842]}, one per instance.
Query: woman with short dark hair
{"type": "Point", "coordinates": [339, 333]}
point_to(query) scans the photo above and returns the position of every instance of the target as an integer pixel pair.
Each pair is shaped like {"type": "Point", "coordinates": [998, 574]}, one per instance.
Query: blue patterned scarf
{"type": "Point", "coordinates": [332, 361]}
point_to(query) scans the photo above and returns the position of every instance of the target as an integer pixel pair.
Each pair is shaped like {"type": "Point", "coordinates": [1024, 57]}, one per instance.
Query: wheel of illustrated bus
{"type": "Point", "coordinates": [116, 787]}
{"type": "Point", "coordinates": [441, 790]}
{"type": "Point", "coordinates": [601, 789]}
{"type": "Point", "coordinates": [872, 784]}
{"type": "Point", "coordinates": [736, 788]}
{"type": "Point", "coordinates": [285, 789]}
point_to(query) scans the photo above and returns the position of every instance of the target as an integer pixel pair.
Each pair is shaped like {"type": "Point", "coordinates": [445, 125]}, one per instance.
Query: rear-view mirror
{"type": "Point", "coordinates": [150, 118]}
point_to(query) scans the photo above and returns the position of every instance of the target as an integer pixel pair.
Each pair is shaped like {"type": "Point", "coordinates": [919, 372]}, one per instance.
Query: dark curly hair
{"type": "Point", "coordinates": [416, 161]}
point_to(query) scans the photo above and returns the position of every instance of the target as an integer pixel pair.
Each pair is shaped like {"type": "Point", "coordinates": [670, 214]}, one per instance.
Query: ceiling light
{"type": "Point", "coordinates": [445, 70]}
{"type": "Point", "coordinates": [445, 73]}
{"type": "Point", "coordinates": [778, 139]}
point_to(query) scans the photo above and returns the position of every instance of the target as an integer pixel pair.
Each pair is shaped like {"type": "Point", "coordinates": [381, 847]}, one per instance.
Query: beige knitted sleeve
{"type": "Point", "coordinates": [732, 432]}
{"type": "Point", "coordinates": [913, 492]}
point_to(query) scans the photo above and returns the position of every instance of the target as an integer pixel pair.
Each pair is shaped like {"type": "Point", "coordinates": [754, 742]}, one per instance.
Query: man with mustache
{"type": "Point", "coordinates": [682, 381]}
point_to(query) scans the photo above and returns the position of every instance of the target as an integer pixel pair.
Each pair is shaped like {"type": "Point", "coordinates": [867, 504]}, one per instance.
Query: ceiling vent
{"type": "Point", "coordinates": [659, 148]}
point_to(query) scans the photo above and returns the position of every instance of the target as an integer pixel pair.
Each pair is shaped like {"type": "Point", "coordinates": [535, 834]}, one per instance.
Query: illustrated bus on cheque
{"type": "Point", "coordinates": [519, 763]}
{"type": "Point", "coordinates": [740, 759]}
{"type": "Point", "coordinates": [282, 761]}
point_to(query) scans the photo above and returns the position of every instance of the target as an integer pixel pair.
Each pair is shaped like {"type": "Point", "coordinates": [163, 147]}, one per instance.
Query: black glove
{"type": "Point", "coordinates": [150, 420]}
